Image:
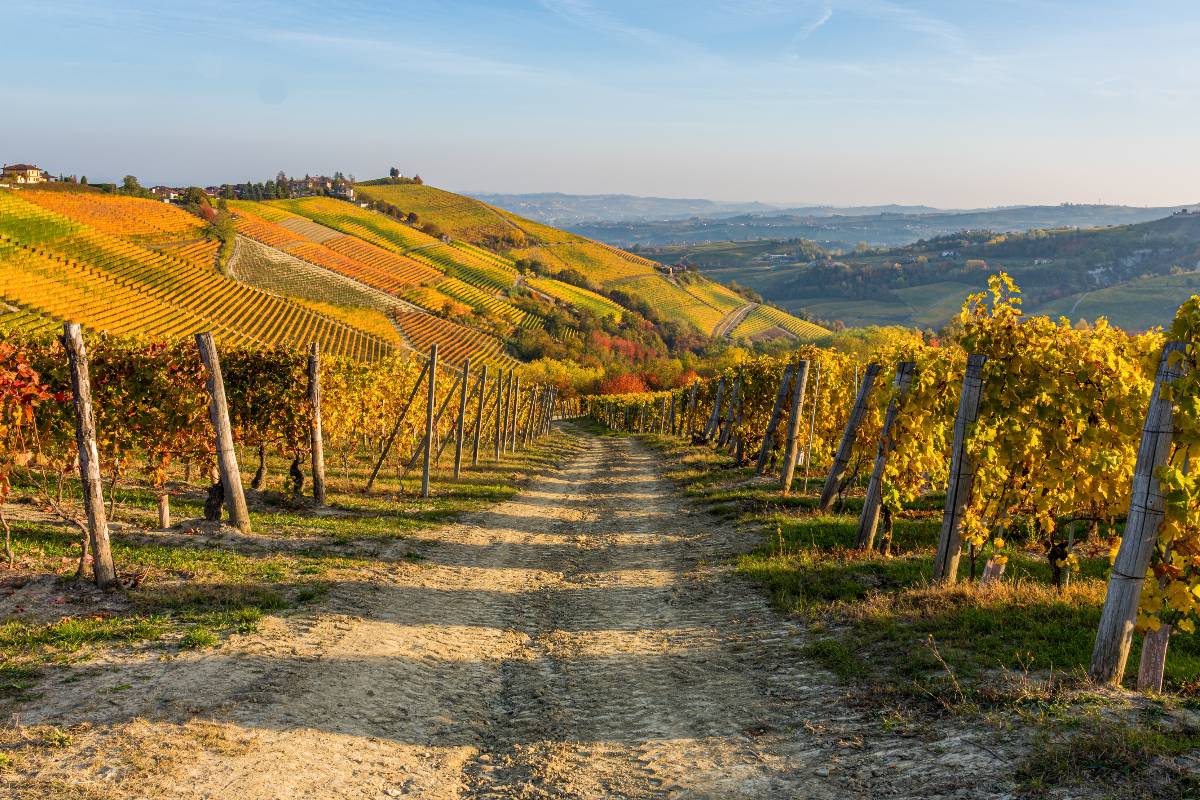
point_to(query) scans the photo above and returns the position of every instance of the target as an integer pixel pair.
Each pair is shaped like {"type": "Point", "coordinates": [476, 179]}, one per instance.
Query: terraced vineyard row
{"type": "Point", "coordinates": [118, 215]}
{"type": "Point", "coordinates": [455, 343]}
{"type": "Point", "coordinates": [466, 266]}
{"type": "Point", "coordinates": [492, 305]}
{"type": "Point", "coordinates": [55, 288]}
{"type": "Point", "coordinates": [668, 298]}
{"type": "Point", "coordinates": [149, 291]}
{"type": "Point", "coordinates": [404, 271]}
{"type": "Point", "coordinates": [345, 255]}
{"type": "Point", "coordinates": [349, 218]}
{"type": "Point", "coordinates": [284, 273]}
{"type": "Point", "coordinates": [598, 304]}
{"type": "Point", "coordinates": [714, 294]}
{"type": "Point", "coordinates": [202, 253]}
{"type": "Point", "coordinates": [18, 320]}
{"type": "Point", "coordinates": [764, 318]}
{"type": "Point", "coordinates": [459, 216]}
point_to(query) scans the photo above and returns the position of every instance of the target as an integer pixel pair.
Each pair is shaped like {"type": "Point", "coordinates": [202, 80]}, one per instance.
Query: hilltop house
{"type": "Point", "coordinates": [24, 174]}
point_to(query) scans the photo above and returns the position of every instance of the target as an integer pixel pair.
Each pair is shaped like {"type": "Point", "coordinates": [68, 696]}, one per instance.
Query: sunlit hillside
{"type": "Point", "coordinates": [691, 299]}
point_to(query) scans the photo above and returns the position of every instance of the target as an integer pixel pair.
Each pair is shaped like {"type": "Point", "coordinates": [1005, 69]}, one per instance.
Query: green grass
{"type": "Point", "coordinates": [198, 586]}
{"type": "Point", "coordinates": [878, 614]}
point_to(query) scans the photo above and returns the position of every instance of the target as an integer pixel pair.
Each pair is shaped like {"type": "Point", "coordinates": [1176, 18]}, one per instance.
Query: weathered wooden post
{"type": "Point", "coordinates": [715, 418]}
{"type": "Point", "coordinates": [1154, 659]}
{"type": "Point", "coordinates": [499, 414]}
{"type": "Point", "coordinates": [514, 413]}
{"type": "Point", "coordinates": [231, 477]}
{"type": "Point", "coordinates": [868, 522]}
{"type": "Point", "coordinates": [387, 445]}
{"type": "Point", "coordinates": [441, 443]}
{"type": "Point", "coordinates": [430, 398]}
{"type": "Point", "coordinates": [793, 445]}
{"type": "Point", "coordinates": [462, 417]}
{"type": "Point", "coordinates": [478, 428]}
{"type": "Point", "coordinates": [672, 417]}
{"type": "Point", "coordinates": [735, 395]}
{"type": "Point", "coordinates": [104, 572]}
{"type": "Point", "coordinates": [768, 443]}
{"type": "Point", "coordinates": [812, 427]}
{"type": "Point", "coordinates": [846, 446]}
{"type": "Point", "coordinates": [691, 408]}
{"type": "Point", "coordinates": [1147, 508]}
{"type": "Point", "coordinates": [316, 436]}
{"type": "Point", "coordinates": [535, 400]}
{"type": "Point", "coordinates": [962, 474]}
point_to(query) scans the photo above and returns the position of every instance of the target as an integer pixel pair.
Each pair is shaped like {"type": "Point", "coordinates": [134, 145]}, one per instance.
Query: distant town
{"type": "Point", "coordinates": [337, 185]}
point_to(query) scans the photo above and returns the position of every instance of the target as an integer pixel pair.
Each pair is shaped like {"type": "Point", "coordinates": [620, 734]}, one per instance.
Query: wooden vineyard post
{"type": "Point", "coordinates": [104, 572]}
{"type": "Point", "coordinates": [672, 416]}
{"type": "Point", "coordinates": [514, 413]}
{"type": "Point", "coordinates": [535, 399]}
{"type": "Point", "coordinates": [735, 395]}
{"type": "Point", "coordinates": [462, 418]}
{"type": "Point", "coordinates": [812, 427]}
{"type": "Point", "coordinates": [1154, 659]}
{"type": "Point", "coordinates": [768, 443]}
{"type": "Point", "coordinates": [715, 418]}
{"type": "Point", "coordinates": [691, 408]}
{"type": "Point", "coordinates": [1147, 508]}
{"type": "Point", "coordinates": [962, 474]}
{"type": "Point", "coordinates": [164, 510]}
{"type": "Point", "coordinates": [869, 521]}
{"type": "Point", "coordinates": [430, 397]}
{"type": "Point", "coordinates": [735, 439]}
{"type": "Point", "coordinates": [499, 414]}
{"type": "Point", "coordinates": [479, 417]}
{"type": "Point", "coordinates": [231, 478]}
{"type": "Point", "coordinates": [791, 448]}
{"type": "Point", "coordinates": [442, 444]}
{"type": "Point", "coordinates": [316, 436]}
{"type": "Point", "coordinates": [387, 445]}
{"type": "Point", "coordinates": [842, 458]}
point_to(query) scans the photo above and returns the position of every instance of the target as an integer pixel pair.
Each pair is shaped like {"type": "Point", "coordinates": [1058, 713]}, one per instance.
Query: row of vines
{"type": "Point", "coordinates": [152, 412]}
{"type": "Point", "coordinates": [1053, 421]}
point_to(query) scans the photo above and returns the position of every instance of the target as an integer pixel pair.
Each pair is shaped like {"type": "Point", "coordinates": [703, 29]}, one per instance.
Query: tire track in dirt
{"type": "Point", "coordinates": [586, 639]}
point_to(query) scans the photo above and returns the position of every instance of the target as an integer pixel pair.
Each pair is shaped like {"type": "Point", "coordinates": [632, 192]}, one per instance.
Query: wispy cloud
{"type": "Point", "coordinates": [400, 56]}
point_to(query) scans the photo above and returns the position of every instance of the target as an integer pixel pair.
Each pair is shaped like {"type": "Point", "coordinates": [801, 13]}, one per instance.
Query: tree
{"type": "Point", "coordinates": [417, 180]}
{"type": "Point", "coordinates": [394, 172]}
{"type": "Point", "coordinates": [130, 186]}
{"type": "Point", "coordinates": [83, 181]}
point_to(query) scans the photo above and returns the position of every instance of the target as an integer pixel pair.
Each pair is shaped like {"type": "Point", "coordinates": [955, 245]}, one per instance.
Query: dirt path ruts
{"type": "Point", "coordinates": [583, 640]}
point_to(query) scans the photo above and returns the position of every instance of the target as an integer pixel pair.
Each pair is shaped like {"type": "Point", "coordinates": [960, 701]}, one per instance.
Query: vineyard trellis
{"type": "Point", "coordinates": [1029, 424]}
{"type": "Point", "coordinates": [121, 404]}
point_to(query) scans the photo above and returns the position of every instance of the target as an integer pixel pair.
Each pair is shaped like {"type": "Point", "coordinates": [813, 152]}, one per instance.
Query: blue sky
{"type": "Point", "coordinates": [953, 104]}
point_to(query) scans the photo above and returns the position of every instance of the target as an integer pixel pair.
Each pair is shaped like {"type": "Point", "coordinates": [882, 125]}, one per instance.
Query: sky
{"type": "Point", "coordinates": [953, 104]}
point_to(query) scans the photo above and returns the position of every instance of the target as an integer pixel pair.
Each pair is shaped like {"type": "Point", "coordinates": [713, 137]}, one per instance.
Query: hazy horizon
{"type": "Point", "coordinates": [851, 102]}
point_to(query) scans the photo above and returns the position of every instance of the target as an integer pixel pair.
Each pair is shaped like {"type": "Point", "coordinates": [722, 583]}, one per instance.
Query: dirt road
{"type": "Point", "coordinates": [585, 640]}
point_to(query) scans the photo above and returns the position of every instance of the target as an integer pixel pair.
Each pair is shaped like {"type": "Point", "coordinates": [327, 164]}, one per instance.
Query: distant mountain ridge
{"type": "Point", "coordinates": [572, 209]}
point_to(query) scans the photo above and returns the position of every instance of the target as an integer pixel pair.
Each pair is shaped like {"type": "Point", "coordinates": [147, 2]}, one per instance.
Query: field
{"type": "Point", "coordinates": [511, 235]}
{"type": "Point", "coordinates": [764, 319]}
{"type": "Point", "coordinates": [456, 343]}
{"type": "Point", "coordinates": [1137, 305]}
{"type": "Point", "coordinates": [57, 266]}
{"type": "Point", "coordinates": [597, 304]}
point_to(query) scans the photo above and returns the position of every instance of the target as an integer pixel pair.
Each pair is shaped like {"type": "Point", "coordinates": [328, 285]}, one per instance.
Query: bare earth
{"type": "Point", "coordinates": [587, 639]}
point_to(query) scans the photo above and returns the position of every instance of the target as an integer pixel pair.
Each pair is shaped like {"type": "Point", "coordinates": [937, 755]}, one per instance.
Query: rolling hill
{"type": "Point", "coordinates": [1135, 275]}
{"type": "Point", "coordinates": [844, 228]}
{"type": "Point", "coordinates": [317, 269]}
{"type": "Point", "coordinates": [550, 252]}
